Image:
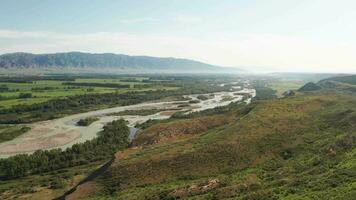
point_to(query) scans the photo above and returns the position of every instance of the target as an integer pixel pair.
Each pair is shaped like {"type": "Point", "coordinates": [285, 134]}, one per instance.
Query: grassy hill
{"type": "Point", "coordinates": [344, 79]}
{"type": "Point", "coordinates": [301, 147]}
{"type": "Point", "coordinates": [342, 83]}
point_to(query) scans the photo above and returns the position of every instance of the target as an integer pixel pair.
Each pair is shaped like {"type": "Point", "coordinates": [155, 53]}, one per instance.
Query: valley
{"type": "Point", "coordinates": [234, 138]}
{"type": "Point", "coordinates": [177, 100]}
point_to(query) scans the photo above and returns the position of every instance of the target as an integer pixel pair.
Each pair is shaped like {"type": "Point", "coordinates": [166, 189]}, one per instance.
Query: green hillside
{"type": "Point", "coordinates": [301, 147]}
{"type": "Point", "coordinates": [340, 83]}
{"type": "Point", "coordinates": [344, 79]}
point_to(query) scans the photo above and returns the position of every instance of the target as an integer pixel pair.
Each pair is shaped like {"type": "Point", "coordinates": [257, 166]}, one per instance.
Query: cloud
{"type": "Point", "coordinates": [279, 52]}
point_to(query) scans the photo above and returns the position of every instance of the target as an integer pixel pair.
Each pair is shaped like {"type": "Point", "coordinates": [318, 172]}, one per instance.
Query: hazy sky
{"type": "Point", "coordinates": [281, 35]}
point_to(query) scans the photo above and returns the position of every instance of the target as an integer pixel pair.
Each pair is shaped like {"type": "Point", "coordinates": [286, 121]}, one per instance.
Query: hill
{"type": "Point", "coordinates": [309, 87]}
{"type": "Point", "coordinates": [88, 61]}
{"type": "Point", "coordinates": [301, 147]}
{"type": "Point", "coordinates": [340, 83]}
{"type": "Point", "coordinates": [343, 79]}
{"type": "Point", "coordinates": [337, 83]}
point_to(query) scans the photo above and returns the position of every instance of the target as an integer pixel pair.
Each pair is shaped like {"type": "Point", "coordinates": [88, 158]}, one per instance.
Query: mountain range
{"type": "Point", "coordinates": [94, 62]}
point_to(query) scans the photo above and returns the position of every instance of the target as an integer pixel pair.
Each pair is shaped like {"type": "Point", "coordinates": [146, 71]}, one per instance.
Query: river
{"type": "Point", "coordinates": [64, 132]}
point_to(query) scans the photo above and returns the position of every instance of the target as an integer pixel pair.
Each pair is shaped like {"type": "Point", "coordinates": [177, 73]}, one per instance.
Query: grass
{"type": "Point", "coordinates": [58, 91]}
{"type": "Point", "coordinates": [282, 149]}
{"type": "Point", "coordinates": [174, 130]}
{"type": "Point", "coordinates": [118, 81]}
{"type": "Point", "coordinates": [55, 89]}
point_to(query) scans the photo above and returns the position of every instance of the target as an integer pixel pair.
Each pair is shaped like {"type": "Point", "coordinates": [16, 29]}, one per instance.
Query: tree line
{"type": "Point", "coordinates": [110, 85]}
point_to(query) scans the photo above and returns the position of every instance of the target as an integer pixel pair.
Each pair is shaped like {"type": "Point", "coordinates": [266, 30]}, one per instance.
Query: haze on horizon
{"type": "Point", "coordinates": [275, 35]}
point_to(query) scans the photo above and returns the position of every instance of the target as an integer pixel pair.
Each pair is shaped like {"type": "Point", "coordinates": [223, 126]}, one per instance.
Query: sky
{"type": "Point", "coordinates": [256, 35]}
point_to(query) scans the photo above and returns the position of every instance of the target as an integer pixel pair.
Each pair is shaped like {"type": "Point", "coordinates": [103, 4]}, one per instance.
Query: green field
{"type": "Point", "coordinates": [44, 90]}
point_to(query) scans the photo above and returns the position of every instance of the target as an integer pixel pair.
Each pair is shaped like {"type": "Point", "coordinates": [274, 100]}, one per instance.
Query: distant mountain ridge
{"type": "Point", "coordinates": [341, 83]}
{"type": "Point", "coordinates": [104, 60]}
{"type": "Point", "coordinates": [351, 79]}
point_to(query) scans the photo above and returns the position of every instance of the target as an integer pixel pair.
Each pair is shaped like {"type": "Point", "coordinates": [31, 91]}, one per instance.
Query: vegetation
{"type": "Point", "coordinates": [281, 86]}
{"type": "Point", "coordinates": [227, 98]}
{"type": "Point", "coordinates": [344, 79]}
{"type": "Point", "coordinates": [44, 186]}
{"type": "Point", "coordinates": [8, 132]}
{"type": "Point", "coordinates": [109, 85]}
{"type": "Point", "coordinates": [202, 97]}
{"type": "Point", "coordinates": [194, 101]}
{"type": "Point", "coordinates": [25, 95]}
{"type": "Point", "coordinates": [264, 93]}
{"type": "Point", "coordinates": [87, 121]}
{"type": "Point", "coordinates": [309, 87]}
{"type": "Point", "coordinates": [58, 107]}
{"type": "Point", "coordinates": [38, 91]}
{"type": "Point", "coordinates": [173, 130]}
{"type": "Point", "coordinates": [142, 112]}
{"type": "Point", "coordinates": [300, 147]}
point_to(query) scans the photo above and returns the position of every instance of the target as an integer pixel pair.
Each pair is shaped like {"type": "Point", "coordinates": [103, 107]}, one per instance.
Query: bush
{"type": "Point", "coordinates": [58, 183]}
{"type": "Point", "coordinates": [25, 95]}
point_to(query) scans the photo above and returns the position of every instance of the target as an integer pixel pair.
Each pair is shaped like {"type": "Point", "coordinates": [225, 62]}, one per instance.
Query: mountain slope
{"type": "Point", "coordinates": [343, 79]}
{"type": "Point", "coordinates": [340, 83]}
{"type": "Point", "coordinates": [99, 61]}
{"type": "Point", "coordinates": [301, 147]}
